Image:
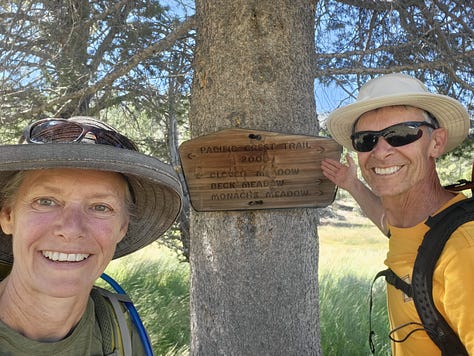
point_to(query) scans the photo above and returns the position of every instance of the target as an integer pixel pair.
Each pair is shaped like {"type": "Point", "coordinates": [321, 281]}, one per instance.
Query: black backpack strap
{"type": "Point", "coordinates": [441, 226]}
{"type": "Point", "coordinates": [396, 281]}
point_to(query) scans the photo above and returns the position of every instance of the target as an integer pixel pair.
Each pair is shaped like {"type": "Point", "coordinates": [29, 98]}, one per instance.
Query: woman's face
{"type": "Point", "coordinates": [65, 225]}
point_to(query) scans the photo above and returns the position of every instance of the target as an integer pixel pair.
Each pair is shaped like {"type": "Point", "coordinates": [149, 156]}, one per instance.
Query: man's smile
{"type": "Point", "coordinates": [387, 170]}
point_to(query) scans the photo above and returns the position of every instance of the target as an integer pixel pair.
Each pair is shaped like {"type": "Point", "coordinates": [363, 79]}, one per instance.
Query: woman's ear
{"type": "Point", "coordinates": [439, 138]}
{"type": "Point", "coordinates": [6, 220]}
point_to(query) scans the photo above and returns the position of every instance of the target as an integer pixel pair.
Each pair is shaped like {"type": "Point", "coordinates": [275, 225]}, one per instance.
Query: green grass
{"type": "Point", "coordinates": [349, 258]}
{"type": "Point", "coordinates": [344, 316]}
{"type": "Point", "coordinates": [158, 284]}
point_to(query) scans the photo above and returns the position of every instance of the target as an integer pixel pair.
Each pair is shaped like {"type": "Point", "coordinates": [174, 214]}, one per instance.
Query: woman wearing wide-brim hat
{"type": "Point", "coordinates": [74, 194]}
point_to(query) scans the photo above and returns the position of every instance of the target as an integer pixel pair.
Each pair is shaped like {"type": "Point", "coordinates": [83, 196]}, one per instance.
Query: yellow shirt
{"type": "Point", "coordinates": [453, 287]}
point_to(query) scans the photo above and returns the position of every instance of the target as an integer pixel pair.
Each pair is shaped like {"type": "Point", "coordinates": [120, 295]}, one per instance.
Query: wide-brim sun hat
{"type": "Point", "coordinates": [400, 89]}
{"type": "Point", "coordinates": [154, 185]}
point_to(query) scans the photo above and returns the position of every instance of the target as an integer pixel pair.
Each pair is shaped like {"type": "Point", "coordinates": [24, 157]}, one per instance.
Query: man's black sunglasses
{"type": "Point", "coordinates": [396, 135]}
{"type": "Point", "coordinates": [65, 131]}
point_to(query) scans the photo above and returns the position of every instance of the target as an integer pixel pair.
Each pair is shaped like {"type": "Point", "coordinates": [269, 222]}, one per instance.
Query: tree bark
{"type": "Point", "coordinates": [254, 281]}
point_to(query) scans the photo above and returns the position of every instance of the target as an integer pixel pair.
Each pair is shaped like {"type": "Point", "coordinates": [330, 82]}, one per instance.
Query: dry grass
{"type": "Point", "coordinates": [350, 243]}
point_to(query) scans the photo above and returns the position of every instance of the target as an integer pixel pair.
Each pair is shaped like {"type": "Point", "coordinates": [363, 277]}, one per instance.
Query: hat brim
{"type": "Point", "coordinates": [448, 111]}
{"type": "Point", "coordinates": [156, 188]}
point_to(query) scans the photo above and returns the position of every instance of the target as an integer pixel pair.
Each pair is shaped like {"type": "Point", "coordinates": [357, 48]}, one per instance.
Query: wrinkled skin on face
{"type": "Point", "coordinates": [65, 225]}
{"type": "Point", "coordinates": [403, 177]}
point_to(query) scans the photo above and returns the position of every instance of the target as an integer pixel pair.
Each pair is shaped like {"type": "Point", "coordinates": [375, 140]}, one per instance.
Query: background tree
{"type": "Point", "coordinates": [80, 57]}
{"type": "Point", "coordinates": [113, 46]}
{"type": "Point", "coordinates": [254, 273]}
{"type": "Point", "coordinates": [433, 40]}
{"type": "Point", "coordinates": [116, 60]}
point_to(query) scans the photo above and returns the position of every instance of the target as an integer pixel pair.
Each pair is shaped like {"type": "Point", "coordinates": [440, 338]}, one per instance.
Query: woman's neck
{"type": "Point", "coordinates": [37, 316]}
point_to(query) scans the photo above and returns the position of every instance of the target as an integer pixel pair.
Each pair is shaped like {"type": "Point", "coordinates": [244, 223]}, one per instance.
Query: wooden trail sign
{"type": "Point", "coordinates": [237, 169]}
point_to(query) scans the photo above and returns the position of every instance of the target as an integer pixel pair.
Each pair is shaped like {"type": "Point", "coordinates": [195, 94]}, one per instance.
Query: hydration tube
{"type": "Point", "coordinates": [133, 313]}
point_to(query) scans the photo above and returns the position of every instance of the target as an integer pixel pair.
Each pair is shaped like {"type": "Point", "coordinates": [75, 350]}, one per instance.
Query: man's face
{"type": "Point", "coordinates": [391, 171]}
{"type": "Point", "coordinates": [65, 225]}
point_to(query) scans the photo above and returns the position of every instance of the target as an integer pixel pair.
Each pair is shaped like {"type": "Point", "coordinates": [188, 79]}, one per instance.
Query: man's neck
{"type": "Point", "coordinates": [411, 208]}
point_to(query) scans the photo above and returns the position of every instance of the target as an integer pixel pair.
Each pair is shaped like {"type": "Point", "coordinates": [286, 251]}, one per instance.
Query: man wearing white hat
{"type": "Point", "coordinates": [398, 129]}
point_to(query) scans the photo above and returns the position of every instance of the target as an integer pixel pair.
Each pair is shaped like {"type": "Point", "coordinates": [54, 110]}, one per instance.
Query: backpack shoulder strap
{"type": "Point", "coordinates": [102, 313]}
{"type": "Point", "coordinates": [113, 324]}
{"type": "Point", "coordinates": [395, 281]}
{"type": "Point", "coordinates": [441, 226]}
{"type": "Point", "coordinates": [5, 269]}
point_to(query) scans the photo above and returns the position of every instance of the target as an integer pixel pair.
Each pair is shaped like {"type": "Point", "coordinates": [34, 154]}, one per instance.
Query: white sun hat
{"type": "Point", "coordinates": [400, 89]}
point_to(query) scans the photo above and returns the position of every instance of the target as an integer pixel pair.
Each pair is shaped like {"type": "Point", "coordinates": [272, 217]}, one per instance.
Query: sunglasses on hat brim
{"type": "Point", "coordinates": [66, 131]}
{"type": "Point", "coordinates": [396, 135]}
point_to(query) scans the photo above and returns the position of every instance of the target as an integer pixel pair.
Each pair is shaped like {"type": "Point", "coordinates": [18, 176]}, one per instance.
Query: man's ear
{"type": "Point", "coordinates": [6, 221]}
{"type": "Point", "coordinates": [439, 138]}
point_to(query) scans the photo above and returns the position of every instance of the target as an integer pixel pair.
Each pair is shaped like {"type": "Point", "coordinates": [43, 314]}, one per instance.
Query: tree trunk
{"type": "Point", "coordinates": [254, 281]}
